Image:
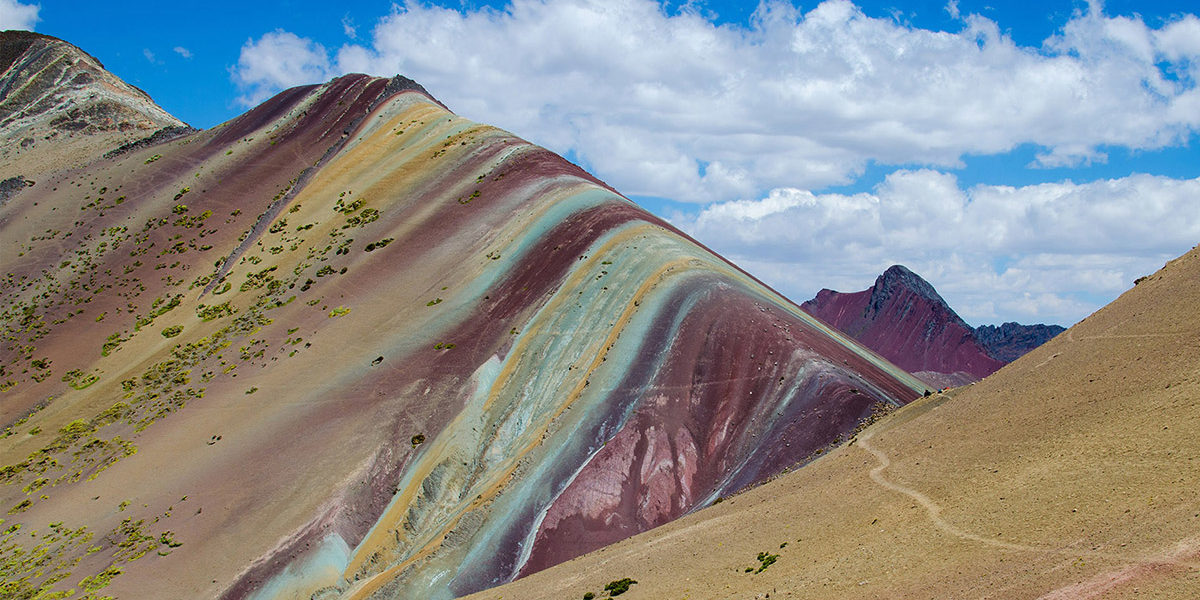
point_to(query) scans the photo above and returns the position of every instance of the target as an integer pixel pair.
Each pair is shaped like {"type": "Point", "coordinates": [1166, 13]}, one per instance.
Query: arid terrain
{"type": "Point", "coordinates": [1068, 474]}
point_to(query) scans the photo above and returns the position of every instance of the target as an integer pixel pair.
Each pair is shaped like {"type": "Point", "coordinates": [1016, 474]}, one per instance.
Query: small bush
{"type": "Point", "coordinates": [208, 313]}
{"type": "Point", "coordinates": [765, 560]}
{"type": "Point", "coordinates": [618, 587]}
{"type": "Point", "coordinates": [377, 245]}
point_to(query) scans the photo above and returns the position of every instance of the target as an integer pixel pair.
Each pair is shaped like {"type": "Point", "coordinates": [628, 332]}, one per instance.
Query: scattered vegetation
{"type": "Point", "coordinates": [618, 587]}
{"type": "Point", "coordinates": [209, 313]}
{"type": "Point", "coordinates": [765, 559]}
{"type": "Point", "coordinates": [79, 380]}
{"type": "Point", "coordinates": [368, 215]}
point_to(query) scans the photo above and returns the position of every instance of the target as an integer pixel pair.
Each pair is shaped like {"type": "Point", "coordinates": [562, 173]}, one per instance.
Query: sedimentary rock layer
{"type": "Point", "coordinates": [352, 344]}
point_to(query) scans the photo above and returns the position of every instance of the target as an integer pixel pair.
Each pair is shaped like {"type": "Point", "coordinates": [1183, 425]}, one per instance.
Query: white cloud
{"type": "Point", "coordinates": [348, 27]}
{"type": "Point", "coordinates": [744, 119]}
{"type": "Point", "coordinates": [669, 104]}
{"type": "Point", "coordinates": [14, 15]}
{"type": "Point", "coordinates": [184, 52]}
{"type": "Point", "coordinates": [150, 56]}
{"type": "Point", "coordinates": [276, 61]}
{"type": "Point", "coordinates": [1048, 252]}
{"type": "Point", "coordinates": [952, 9]}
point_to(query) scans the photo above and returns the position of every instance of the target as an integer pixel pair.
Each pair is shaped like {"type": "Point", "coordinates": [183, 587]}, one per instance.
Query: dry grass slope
{"type": "Point", "coordinates": [1071, 473]}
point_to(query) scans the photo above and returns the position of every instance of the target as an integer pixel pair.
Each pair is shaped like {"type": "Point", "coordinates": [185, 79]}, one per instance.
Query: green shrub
{"type": "Point", "coordinates": [377, 245]}
{"type": "Point", "coordinates": [208, 313]}
{"type": "Point", "coordinates": [765, 560]}
{"type": "Point", "coordinates": [618, 587]}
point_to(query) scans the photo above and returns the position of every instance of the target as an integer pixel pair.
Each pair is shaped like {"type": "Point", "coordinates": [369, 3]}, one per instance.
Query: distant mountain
{"type": "Point", "coordinates": [1011, 341]}
{"type": "Point", "coordinates": [903, 318]}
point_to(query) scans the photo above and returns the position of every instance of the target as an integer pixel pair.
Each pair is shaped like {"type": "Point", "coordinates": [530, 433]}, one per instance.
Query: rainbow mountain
{"type": "Point", "coordinates": [352, 345]}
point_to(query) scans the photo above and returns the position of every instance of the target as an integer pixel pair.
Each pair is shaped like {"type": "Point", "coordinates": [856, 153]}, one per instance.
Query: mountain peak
{"type": "Point", "coordinates": [899, 278]}
{"type": "Point", "coordinates": [51, 91]}
{"type": "Point", "coordinates": [14, 43]}
{"type": "Point", "coordinates": [903, 318]}
{"type": "Point", "coordinates": [900, 275]}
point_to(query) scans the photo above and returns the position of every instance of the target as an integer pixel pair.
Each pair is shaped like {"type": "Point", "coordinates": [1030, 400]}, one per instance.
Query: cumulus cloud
{"type": "Point", "coordinates": [743, 119]}
{"type": "Point", "coordinates": [667, 103]}
{"type": "Point", "coordinates": [14, 15]}
{"type": "Point", "coordinates": [1042, 252]}
{"type": "Point", "coordinates": [275, 61]}
{"type": "Point", "coordinates": [184, 52]}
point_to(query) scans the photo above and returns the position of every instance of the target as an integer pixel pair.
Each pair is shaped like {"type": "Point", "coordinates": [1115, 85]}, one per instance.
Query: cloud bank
{"type": "Point", "coordinates": [276, 61]}
{"type": "Point", "coordinates": [672, 105]}
{"type": "Point", "coordinates": [1040, 252]}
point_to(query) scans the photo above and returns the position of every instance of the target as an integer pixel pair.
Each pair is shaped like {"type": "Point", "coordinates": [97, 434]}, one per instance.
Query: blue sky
{"type": "Point", "coordinates": [213, 33]}
{"type": "Point", "coordinates": [1029, 159]}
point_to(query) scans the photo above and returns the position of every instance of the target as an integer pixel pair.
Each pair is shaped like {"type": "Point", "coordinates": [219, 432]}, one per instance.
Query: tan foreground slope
{"type": "Point", "coordinates": [1073, 473]}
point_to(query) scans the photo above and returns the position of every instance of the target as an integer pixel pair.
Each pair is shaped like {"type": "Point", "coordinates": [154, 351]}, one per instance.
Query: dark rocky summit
{"type": "Point", "coordinates": [903, 318]}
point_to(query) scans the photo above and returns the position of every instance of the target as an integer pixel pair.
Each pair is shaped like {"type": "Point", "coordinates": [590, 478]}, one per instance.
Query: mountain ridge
{"type": "Point", "coordinates": [903, 317]}
{"type": "Point", "coordinates": [1009, 341]}
{"type": "Point", "coordinates": [350, 343]}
